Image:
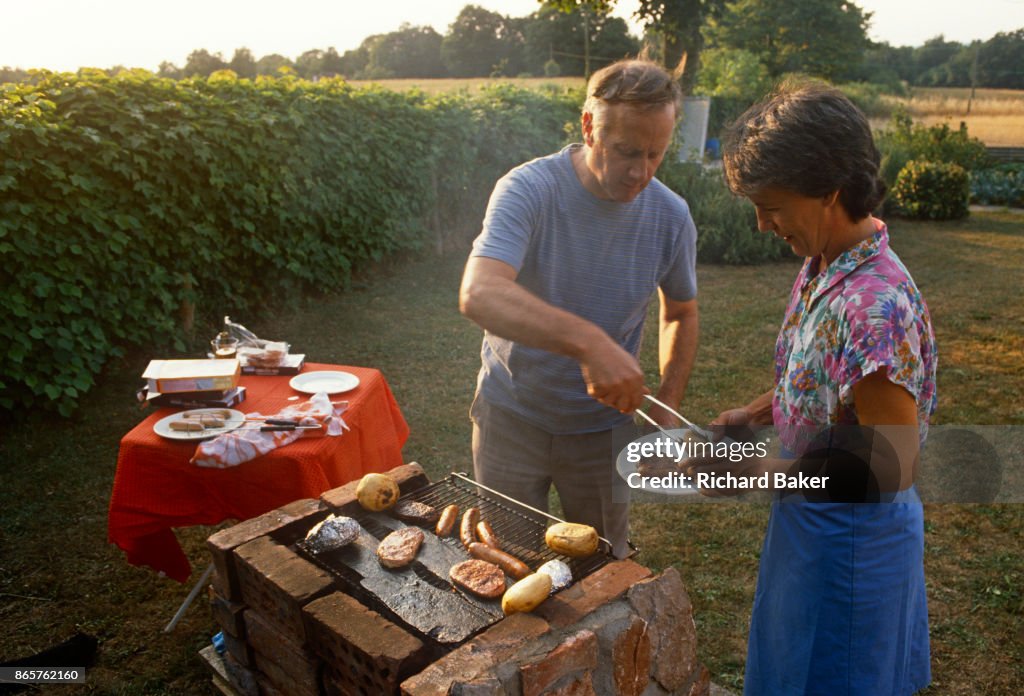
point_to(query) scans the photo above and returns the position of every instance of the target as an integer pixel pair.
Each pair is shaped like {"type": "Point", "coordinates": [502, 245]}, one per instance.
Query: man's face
{"type": "Point", "coordinates": [625, 145]}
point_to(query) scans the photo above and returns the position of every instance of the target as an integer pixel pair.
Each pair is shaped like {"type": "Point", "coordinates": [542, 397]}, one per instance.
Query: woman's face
{"type": "Point", "coordinates": [803, 222]}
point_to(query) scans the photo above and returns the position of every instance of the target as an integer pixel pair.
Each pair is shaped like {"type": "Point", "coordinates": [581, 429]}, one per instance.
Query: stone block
{"type": "Point", "coordinates": [605, 584]}
{"type": "Point", "coordinates": [239, 650]}
{"type": "Point", "coordinates": [579, 686]}
{"type": "Point", "coordinates": [663, 603]}
{"type": "Point", "coordinates": [278, 583]}
{"type": "Point", "coordinates": [631, 659]}
{"type": "Point", "coordinates": [298, 515]}
{"type": "Point", "coordinates": [227, 614]}
{"type": "Point", "coordinates": [480, 658]}
{"type": "Point", "coordinates": [574, 655]}
{"type": "Point", "coordinates": [284, 661]}
{"type": "Point", "coordinates": [365, 652]}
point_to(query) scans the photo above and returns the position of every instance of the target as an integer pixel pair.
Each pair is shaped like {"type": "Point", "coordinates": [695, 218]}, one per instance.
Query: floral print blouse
{"type": "Point", "coordinates": [862, 313]}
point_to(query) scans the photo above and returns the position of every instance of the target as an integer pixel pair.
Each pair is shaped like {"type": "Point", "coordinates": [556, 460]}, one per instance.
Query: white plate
{"type": "Point", "coordinates": [163, 426]}
{"type": "Point", "coordinates": [331, 382]}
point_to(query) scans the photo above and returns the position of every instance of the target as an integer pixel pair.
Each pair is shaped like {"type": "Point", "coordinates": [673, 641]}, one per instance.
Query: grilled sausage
{"type": "Point", "coordinates": [446, 523]}
{"type": "Point", "coordinates": [467, 532]}
{"type": "Point", "coordinates": [506, 561]}
{"type": "Point", "coordinates": [487, 535]}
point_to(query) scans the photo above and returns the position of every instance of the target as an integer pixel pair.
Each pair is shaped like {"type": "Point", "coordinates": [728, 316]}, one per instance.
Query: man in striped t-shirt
{"type": "Point", "coordinates": [573, 248]}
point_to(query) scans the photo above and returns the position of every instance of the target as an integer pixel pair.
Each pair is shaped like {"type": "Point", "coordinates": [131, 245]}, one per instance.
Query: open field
{"type": "Point", "coordinates": [58, 574]}
{"type": "Point", "coordinates": [996, 115]}
{"type": "Point", "coordinates": [473, 84]}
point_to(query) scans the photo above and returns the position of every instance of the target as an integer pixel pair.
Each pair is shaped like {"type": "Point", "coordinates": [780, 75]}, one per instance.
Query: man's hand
{"type": "Point", "coordinates": [492, 298]}
{"type": "Point", "coordinates": [613, 376]}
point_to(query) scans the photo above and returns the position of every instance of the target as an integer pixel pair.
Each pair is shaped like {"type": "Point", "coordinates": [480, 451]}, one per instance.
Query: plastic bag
{"type": "Point", "coordinates": [256, 351]}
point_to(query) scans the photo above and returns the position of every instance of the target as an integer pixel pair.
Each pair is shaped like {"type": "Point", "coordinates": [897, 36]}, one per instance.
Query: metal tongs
{"type": "Point", "coordinates": [706, 434]}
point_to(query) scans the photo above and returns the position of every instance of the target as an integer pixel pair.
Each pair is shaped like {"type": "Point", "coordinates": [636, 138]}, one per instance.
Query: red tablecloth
{"type": "Point", "coordinates": [156, 489]}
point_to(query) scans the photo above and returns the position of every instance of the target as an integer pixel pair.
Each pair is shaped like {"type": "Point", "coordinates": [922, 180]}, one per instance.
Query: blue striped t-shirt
{"type": "Point", "coordinates": [601, 260]}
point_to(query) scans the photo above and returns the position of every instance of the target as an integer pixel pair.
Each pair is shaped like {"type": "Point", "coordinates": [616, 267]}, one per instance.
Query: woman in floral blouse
{"type": "Point", "coordinates": [840, 602]}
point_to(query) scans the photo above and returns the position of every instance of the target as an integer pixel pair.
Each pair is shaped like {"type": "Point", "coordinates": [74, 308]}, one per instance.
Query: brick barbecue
{"type": "Point", "coordinates": [291, 627]}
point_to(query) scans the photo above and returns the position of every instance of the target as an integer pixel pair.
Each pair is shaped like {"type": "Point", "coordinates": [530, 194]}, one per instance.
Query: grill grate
{"type": "Point", "coordinates": [519, 529]}
{"type": "Point", "coordinates": [420, 596]}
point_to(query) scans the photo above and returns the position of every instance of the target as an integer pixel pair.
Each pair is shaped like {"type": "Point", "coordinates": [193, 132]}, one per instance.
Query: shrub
{"type": "Point", "coordinates": [904, 141]}
{"type": "Point", "coordinates": [122, 197]}
{"type": "Point", "coordinates": [932, 191]}
{"type": "Point", "coordinates": [1002, 185]}
{"type": "Point", "coordinates": [726, 225]}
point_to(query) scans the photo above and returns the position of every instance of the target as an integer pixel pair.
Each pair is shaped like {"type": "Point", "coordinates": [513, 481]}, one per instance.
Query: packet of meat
{"type": "Point", "coordinates": [242, 444]}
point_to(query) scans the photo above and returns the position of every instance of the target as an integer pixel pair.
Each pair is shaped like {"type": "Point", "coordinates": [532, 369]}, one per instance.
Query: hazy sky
{"type": "Point", "coordinates": [68, 34]}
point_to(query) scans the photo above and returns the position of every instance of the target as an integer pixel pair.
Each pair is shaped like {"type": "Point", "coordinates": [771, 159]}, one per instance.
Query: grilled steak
{"type": "Point", "coordinates": [416, 513]}
{"type": "Point", "coordinates": [400, 547]}
{"type": "Point", "coordinates": [479, 577]}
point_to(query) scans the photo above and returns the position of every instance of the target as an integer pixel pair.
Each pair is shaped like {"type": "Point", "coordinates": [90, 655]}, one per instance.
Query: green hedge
{"type": "Point", "coordinates": [123, 197]}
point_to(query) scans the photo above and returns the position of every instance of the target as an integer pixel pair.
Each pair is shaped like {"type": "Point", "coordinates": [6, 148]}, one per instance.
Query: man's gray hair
{"type": "Point", "coordinates": [634, 81]}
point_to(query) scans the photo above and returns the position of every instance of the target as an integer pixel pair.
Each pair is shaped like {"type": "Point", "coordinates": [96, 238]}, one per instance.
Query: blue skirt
{"type": "Point", "coordinates": [840, 606]}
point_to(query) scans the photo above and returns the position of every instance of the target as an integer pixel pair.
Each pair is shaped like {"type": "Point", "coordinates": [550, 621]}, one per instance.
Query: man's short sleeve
{"type": "Point", "coordinates": [679, 283]}
{"type": "Point", "coordinates": [510, 219]}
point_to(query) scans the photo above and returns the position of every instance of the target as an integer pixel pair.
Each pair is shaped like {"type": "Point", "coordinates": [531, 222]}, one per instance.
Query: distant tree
{"type": "Point", "coordinates": [733, 73]}
{"type": "Point", "coordinates": [9, 74]}
{"type": "Point", "coordinates": [933, 53]}
{"type": "Point", "coordinates": [169, 69]}
{"type": "Point", "coordinates": [243, 63]}
{"type": "Point", "coordinates": [955, 72]}
{"type": "Point", "coordinates": [271, 64]}
{"type": "Point", "coordinates": [478, 41]}
{"type": "Point", "coordinates": [202, 62]}
{"type": "Point", "coordinates": [409, 52]}
{"type": "Point", "coordinates": [310, 64]}
{"type": "Point", "coordinates": [589, 14]}
{"type": "Point", "coordinates": [824, 38]}
{"type": "Point", "coordinates": [888, 65]}
{"type": "Point", "coordinates": [332, 62]}
{"type": "Point", "coordinates": [354, 61]}
{"type": "Point", "coordinates": [550, 34]}
{"type": "Point", "coordinates": [679, 24]}
{"type": "Point", "coordinates": [1001, 61]}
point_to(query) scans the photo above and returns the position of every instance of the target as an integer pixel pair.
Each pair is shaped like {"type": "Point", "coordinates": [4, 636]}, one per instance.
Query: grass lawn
{"type": "Point", "coordinates": [58, 574]}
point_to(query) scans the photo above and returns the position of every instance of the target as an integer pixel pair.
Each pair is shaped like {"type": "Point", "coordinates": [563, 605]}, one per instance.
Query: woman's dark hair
{"type": "Point", "coordinates": [808, 138]}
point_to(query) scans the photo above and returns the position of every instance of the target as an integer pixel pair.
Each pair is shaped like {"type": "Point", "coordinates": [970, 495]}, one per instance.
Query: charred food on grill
{"type": "Point", "coordinates": [400, 547]}
{"type": "Point", "coordinates": [377, 492]}
{"type": "Point", "coordinates": [479, 577]}
{"type": "Point", "coordinates": [417, 513]}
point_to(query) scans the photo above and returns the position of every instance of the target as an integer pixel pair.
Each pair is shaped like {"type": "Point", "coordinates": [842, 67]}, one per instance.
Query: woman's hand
{"type": "Point", "coordinates": [733, 416]}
